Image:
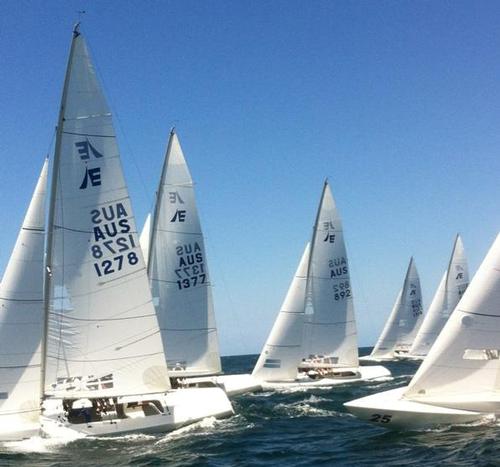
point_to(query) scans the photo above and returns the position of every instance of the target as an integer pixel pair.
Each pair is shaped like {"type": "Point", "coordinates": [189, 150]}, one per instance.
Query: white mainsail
{"type": "Point", "coordinates": [21, 311]}
{"type": "Point", "coordinates": [448, 294]}
{"type": "Point", "coordinates": [101, 332]}
{"type": "Point", "coordinates": [178, 272]}
{"type": "Point", "coordinates": [330, 327]}
{"type": "Point", "coordinates": [283, 349]}
{"type": "Point", "coordinates": [405, 318]}
{"type": "Point", "coordinates": [463, 367]}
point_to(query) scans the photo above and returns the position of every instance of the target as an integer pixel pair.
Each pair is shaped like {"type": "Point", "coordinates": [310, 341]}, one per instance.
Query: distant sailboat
{"type": "Point", "coordinates": [458, 380]}
{"type": "Point", "coordinates": [313, 341]}
{"type": "Point", "coordinates": [21, 311]}
{"type": "Point", "coordinates": [448, 294]}
{"type": "Point", "coordinates": [180, 280]}
{"type": "Point", "coordinates": [403, 322]}
{"type": "Point", "coordinates": [103, 364]}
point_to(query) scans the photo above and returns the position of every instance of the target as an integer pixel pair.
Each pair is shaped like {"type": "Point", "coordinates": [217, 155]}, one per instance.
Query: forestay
{"type": "Point", "coordinates": [330, 328]}
{"type": "Point", "coordinates": [178, 272]}
{"type": "Point", "coordinates": [447, 296]}
{"type": "Point", "coordinates": [102, 331]}
{"type": "Point", "coordinates": [405, 318]}
{"type": "Point", "coordinates": [463, 367]}
{"type": "Point", "coordinates": [21, 311]}
{"type": "Point", "coordinates": [283, 349]}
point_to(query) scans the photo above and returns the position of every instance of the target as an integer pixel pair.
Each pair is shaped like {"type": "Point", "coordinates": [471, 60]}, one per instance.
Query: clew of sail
{"type": "Point", "coordinates": [178, 272]}
{"type": "Point", "coordinates": [101, 331]}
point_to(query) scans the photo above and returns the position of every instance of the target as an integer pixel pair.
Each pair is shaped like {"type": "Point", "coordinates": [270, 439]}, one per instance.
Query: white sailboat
{"type": "Point", "coordinates": [314, 341]}
{"type": "Point", "coordinates": [21, 311]}
{"type": "Point", "coordinates": [180, 280]}
{"type": "Point", "coordinates": [403, 322]}
{"type": "Point", "coordinates": [458, 380]}
{"type": "Point", "coordinates": [448, 294]}
{"type": "Point", "coordinates": [103, 364]}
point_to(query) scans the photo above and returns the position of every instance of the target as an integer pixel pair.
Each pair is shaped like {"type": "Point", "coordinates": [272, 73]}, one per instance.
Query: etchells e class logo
{"type": "Point", "coordinates": [86, 151]}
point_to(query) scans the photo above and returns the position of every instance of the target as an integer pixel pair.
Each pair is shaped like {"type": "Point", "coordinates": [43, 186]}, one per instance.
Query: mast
{"type": "Point", "coordinates": [50, 223]}
{"type": "Point", "coordinates": [159, 195]}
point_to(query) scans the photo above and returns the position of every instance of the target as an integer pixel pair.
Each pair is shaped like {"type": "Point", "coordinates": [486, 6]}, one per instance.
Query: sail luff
{"type": "Point", "coordinates": [51, 216]}
{"type": "Point", "coordinates": [159, 198]}
{"type": "Point", "coordinates": [311, 248]}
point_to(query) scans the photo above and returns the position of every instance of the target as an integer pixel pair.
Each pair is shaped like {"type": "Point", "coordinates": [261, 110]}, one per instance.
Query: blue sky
{"type": "Point", "coordinates": [396, 102]}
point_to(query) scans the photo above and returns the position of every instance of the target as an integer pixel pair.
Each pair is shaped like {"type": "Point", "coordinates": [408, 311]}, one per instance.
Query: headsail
{"type": "Point", "coordinates": [330, 330]}
{"type": "Point", "coordinates": [102, 334]}
{"type": "Point", "coordinates": [447, 296]}
{"type": "Point", "coordinates": [21, 311]}
{"type": "Point", "coordinates": [405, 318]}
{"type": "Point", "coordinates": [463, 367]}
{"type": "Point", "coordinates": [178, 272]}
{"type": "Point", "coordinates": [283, 349]}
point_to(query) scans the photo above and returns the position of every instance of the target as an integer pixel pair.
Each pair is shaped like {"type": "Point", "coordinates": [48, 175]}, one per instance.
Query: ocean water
{"type": "Point", "coordinates": [291, 428]}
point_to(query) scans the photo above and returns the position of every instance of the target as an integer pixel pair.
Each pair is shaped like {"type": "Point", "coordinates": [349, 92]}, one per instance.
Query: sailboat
{"type": "Point", "coordinates": [103, 363]}
{"type": "Point", "coordinates": [180, 280]}
{"type": "Point", "coordinates": [451, 288]}
{"type": "Point", "coordinates": [21, 306]}
{"type": "Point", "coordinates": [403, 322]}
{"type": "Point", "coordinates": [458, 380]}
{"type": "Point", "coordinates": [314, 340]}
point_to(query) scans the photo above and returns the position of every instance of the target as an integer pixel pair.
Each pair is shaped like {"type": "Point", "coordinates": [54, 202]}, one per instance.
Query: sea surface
{"type": "Point", "coordinates": [291, 428]}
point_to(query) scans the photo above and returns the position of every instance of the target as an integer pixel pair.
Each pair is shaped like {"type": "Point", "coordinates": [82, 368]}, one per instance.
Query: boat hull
{"type": "Point", "coordinates": [180, 407]}
{"type": "Point", "coordinates": [233, 385]}
{"type": "Point", "coordinates": [364, 373]}
{"type": "Point", "coordinates": [390, 410]}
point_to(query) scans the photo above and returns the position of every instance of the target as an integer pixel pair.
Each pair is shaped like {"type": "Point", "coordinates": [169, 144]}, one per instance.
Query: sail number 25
{"type": "Point", "coordinates": [376, 417]}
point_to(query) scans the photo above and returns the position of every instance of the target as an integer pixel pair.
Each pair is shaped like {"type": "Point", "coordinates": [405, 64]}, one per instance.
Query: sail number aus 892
{"type": "Point", "coordinates": [342, 290]}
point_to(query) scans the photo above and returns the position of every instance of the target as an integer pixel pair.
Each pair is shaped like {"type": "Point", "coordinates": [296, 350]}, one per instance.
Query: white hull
{"type": "Point", "coordinates": [389, 410]}
{"type": "Point", "coordinates": [369, 358]}
{"type": "Point", "coordinates": [18, 433]}
{"type": "Point", "coordinates": [364, 373]}
{"type": "Point", "coordinates": [180, 407]}
{"type": "Point", "coordinates": [233, 385]}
